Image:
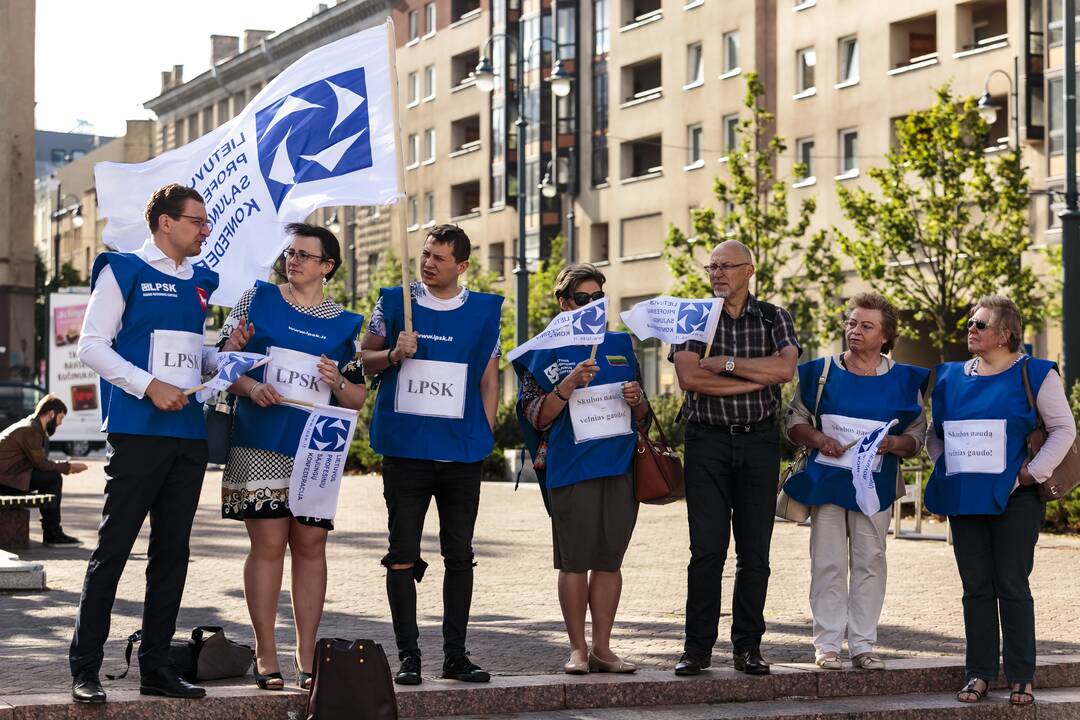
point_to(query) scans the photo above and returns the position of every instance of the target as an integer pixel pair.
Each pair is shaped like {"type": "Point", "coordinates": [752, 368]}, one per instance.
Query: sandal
{"type": "Point", "coordinates": [867, 661]}
{"type": "Point", "coordinates": [270, 681]}
{"type": "Point", "coordinates": [1021, 697]}
{"type": "Point", "coordinates": [829, 661]}
{"type": "Point", "coordinates": [972, 688]}
{"type": "Point", "coordinates": [303, 679]}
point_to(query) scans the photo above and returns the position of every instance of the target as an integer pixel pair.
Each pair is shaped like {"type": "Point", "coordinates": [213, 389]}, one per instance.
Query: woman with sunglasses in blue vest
{"type": "Point", "coordinates": [853, 393]}
{"type": "Point", "coordinates": [985, 483]}
{"type": "Point", "coordinates": [587, 467]}
{"type": "Point", "coordinates": [311, 342]}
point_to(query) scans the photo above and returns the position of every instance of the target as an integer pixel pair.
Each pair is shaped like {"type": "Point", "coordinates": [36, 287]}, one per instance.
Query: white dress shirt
{"type": "Point", "coordinates": [103, 319]}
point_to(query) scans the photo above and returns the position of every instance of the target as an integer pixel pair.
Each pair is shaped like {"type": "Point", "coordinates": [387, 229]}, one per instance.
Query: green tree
{"type": "Point", "coordinates": [947, 223]}
{"type": "Point", "coordinates": [790, 269]}
{"type": "Point", "coordinates": [68, 277]}
{"type": "Point", "coordinates": [542, 303]}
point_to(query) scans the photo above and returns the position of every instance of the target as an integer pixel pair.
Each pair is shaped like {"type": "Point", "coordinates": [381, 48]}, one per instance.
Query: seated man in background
{"type": "Point", "coordinates": [25, 468]}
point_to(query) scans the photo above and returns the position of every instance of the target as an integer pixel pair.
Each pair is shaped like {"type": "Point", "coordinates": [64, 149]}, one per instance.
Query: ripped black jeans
{"type": "Point", "coordinates": [408, 487]}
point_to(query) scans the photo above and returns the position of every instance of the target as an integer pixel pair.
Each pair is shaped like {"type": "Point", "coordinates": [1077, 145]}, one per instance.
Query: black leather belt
{"type": "Point", "coordinates": [760, 426]}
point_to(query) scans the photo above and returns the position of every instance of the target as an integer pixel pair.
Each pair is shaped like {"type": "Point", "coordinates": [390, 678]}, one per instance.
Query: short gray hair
{"type": "Point", "coordinates": [571, 276]}
{"type": "Point", "coordinates": [1007, 317]}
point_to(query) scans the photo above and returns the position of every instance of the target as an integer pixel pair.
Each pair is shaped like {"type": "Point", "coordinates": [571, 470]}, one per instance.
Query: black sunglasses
{"type": "Point", "coordinates": [584, 298]}
{"type": "Point", "coordinates": [980, 324]}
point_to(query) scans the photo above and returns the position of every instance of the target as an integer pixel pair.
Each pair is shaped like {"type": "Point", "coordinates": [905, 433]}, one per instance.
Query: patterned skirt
{"type": "Point", "coordinates": [255, 485]}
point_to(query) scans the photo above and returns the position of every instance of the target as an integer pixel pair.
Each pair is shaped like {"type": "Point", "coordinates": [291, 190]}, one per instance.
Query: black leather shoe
{"type": "Point", "coordinates": [86, 688]}
{"type": "Point", "coordinates": [692, 663]}
{"type": "Point", "coordinates": [460, 667]}
{"type": "Point", "coordinates": [409, 672]}
{"type": "Point", "coordinates": [165, 681]}
{"type": "Point", "coordinates": [58, 538]}
{"type": "Point", "coordinates": [750, 662]}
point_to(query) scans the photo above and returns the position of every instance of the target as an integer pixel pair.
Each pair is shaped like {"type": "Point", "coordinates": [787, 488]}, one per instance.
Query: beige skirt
{"type": "Point", "coordinates": [592, 522]}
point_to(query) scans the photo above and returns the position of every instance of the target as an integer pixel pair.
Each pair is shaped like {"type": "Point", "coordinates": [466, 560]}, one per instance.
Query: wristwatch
{"type": "Point", "coordinates": [341, 385]}
{"type": "Point", "coordinates": [729, 366]}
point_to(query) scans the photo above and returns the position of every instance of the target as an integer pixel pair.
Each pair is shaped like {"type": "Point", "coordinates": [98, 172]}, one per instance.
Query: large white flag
{"type": "Point", "coordinates": [674, 320]}
{"type": "Point", "coordinates": [321, 133]}
{"type": "Point", "coordinates": [584, 326]}
{"type": "Point", "coordinates": [320, 461]}
{"type": "Point", "coordinates": [862, 469]}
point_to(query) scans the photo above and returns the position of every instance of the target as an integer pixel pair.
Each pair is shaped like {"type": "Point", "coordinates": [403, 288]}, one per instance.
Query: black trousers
{"type": "Point", "coordinates": [730, 485]}
{"type": "Point", "coordinates": [408, 487]}
{"type": "Point", "coordinates": [49, 483]}
{"type": "Point", "coordinates": [995, 555]}
{"type": "Point", "coordinates": [144, 475]}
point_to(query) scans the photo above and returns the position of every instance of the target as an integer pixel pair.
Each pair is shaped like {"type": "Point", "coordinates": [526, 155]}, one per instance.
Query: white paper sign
{"type": "Point", "coordinates": [599, 412]}
{"type": "Point", "coordinates": [432, 388]}
{"type": "Point", "coordinates": [845, 430]}
{"type": "Point", "coordinates": [295, 375]}
{"type": "Point", "coordinates": [320, 461]}
{"type": "Point", "coordinates": [176, 357]}
{"type": "Point", "coordinates": [974, 446]}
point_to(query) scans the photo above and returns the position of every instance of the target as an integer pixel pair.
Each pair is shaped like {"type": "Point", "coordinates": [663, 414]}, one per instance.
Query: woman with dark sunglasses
{"type": "Point", "coordinates": [985, 481]}
{"type": "Point", "coordinates": [585, 472]}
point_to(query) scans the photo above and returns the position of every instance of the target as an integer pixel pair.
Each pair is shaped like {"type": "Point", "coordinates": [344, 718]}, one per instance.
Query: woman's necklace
{"type": "Point", "coordinates": [975, 364]}
{"type": "Point", "coordinates": [858, 371]}
{"type": "Point", "coordinates": [296, 301]}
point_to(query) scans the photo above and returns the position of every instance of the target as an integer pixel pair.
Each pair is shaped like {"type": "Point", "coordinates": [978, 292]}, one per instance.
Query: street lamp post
{"type": "Point", "coordinates": [74, 209]}
{"type": "Point", "coordinates": [549, 188]}
{"type": "Point", "coordinates": [560, 85]}
{"type": "Point", "coordinates": [988, 110]}
{"type": "Point", "coordinates": [1070, 216]}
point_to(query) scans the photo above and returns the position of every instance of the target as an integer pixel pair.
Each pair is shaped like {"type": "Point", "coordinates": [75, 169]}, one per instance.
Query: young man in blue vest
{"type": "Point", "coordinates": [433, 423]}
{"type": "Point", "coordinates": [143, 334]}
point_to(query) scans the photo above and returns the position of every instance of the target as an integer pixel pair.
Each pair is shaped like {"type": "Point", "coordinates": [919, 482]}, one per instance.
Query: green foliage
{"type": "Point", "coordinates": [755, 212]}
{"type": "Point", "coordinates": [542, 303]}
{"type": "Point", "coordinates": [948, 222]}
{"type": "Point", "coordinates": [68, 277]}
{"type": "Point", "coordinates": [488, 282]}
{"type": "Point", "coordinates": [666, 408]}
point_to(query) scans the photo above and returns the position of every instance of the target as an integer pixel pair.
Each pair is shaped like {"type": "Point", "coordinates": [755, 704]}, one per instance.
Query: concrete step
{"type": "Point", "coordinates": [718, 690]}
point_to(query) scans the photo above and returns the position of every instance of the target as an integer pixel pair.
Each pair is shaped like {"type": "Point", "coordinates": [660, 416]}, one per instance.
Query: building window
{"type": "Point", "coordinates": [913, 42]}
{"type": "Point", "coordinates": [849, 152]}
{"type": "Point", "coordinates": [429, 145]}
{"type": "Point", "coordinates": [600, 123]}
{"type": "Point", "coordinates": [693, 146]}
{"type": "Point", "coordinates": [1055, 105]}
{"type": "Point", "coordinates": [730, 124]}
{"type": "Point", "coordinates": [695, 65]}
{"type": "Point", "coordinates": [598, 243]}
{"type": "Point", "coordinates": [429, 83]}
{"type": "Point", "coordinates": [497, 259]}
{"type": "Point", "coordinates": [1055, 26]}
{"type": "Point", "coordinates": [414, 221]}
{"type": "Point", "coordinates": [414, 150]}
{"type": "Point", "coordinates": [805, 61]}
{"type": "Point", "coordinates": [414, 25]}
{"type": "Point", "coordinates": [644, 80]}
{"type": "Point", "coordinates": [849, 61]}
{"type": "Point", "coordinates": [642, 157]}
{"type": "Point", "coordinates": [429, 19]}
{"type": "Point", "coordinates": [414, 88]}
{"type": "Point", "coordinates": [731, 52]}
{"type": "Point", "coordinates": [601, 29]}
{"type": "Point", "coordinates": [804, 156]}
{"type": "Point", "coordinates": [459, 9]}
{"type": "Point", "coordinates": [984, 23]}
{"type": "Point", "coordinates": [429, 207]}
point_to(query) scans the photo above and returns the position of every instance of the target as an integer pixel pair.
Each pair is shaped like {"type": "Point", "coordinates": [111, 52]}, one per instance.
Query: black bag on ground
{"type": "Point", "coordinates": [351, 680]}
{"type": "Point", "coordinates": [207, 655]}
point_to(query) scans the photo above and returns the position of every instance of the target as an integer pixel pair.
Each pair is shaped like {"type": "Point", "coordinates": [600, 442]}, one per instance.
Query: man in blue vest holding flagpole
{"type": "Point", "coordinates": [433, 423]}
{"type": "Point", "coordinates": [143, 334]}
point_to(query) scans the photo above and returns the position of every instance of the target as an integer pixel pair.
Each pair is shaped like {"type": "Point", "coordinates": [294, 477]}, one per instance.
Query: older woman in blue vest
{"type": "Point", "coordinates": [984, 481]}
{"type": "Point", "coordinates": [588, 479]}
{"type": "Point", "coordinates": [860, 389]}
{"type": "Point", "coordinates": [311, 340]}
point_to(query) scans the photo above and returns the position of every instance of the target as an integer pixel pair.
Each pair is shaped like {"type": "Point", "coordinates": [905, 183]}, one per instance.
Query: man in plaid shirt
{"type": "Point", "coordinates": [732, 458]}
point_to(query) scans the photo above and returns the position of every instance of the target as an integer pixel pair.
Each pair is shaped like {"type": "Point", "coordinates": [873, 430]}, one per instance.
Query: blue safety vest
{"type": "Point", "coordinates": [570, 462]}
{"type": "Point", "coordinates": [880, 398]}
{"type": "Point", "coordinates": [152, 301]}
{"type": "Point", "coordinates": [960, 397]}
{"type": "Point", "coordinates": [464, 336]}
{"type": "Point", "coordinates": [279, 324]}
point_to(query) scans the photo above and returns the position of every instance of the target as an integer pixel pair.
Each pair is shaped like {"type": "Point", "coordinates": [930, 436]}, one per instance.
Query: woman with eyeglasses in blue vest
{"type": "Point", "coordinates": [986, 483]}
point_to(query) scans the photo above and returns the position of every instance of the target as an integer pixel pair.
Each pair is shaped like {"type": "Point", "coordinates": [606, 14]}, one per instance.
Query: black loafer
{"type": "Point", "coordinates": [86, 688]}
{"type": "Point", "coordinates": [165, 682]}
{"type": "Point", "coordinates": [692, 663]}
{"type": "Point", "coordinates": [750, 662]}
{"type": "Point", "coordinates": [409, 672]}
{"type": "Point", "coordinates": [459, 667]}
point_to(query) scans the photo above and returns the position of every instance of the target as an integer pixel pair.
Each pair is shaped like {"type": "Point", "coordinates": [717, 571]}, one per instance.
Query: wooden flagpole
{"type": "Point", "coordinates": [399, 210]}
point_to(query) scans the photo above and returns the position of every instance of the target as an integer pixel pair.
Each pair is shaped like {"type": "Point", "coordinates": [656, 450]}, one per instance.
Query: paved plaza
{"type": "Point", "coordinates": [516, 624]}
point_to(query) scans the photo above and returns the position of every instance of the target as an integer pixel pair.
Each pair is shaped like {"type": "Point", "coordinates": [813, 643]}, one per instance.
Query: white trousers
{"type": "Point", "coordinates": [847, 577]}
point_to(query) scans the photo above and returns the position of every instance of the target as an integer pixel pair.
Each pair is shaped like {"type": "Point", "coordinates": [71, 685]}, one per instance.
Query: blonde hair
{"type": "Point", "coordinates": [571, 276]}
{"type": "Point", "coordinates": [1006, 317]}
{"type": "Point", "coordinates": [873, 301]}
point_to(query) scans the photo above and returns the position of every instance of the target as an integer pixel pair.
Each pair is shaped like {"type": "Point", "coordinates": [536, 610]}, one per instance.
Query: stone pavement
{"type": "Point", "coordinates": [516, 624]}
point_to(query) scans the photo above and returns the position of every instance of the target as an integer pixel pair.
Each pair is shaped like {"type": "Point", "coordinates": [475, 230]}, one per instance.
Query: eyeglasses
{"type": "Point", "coordinates": [200, 222]}
{"type": "Point", "coordinates": [980, 324]}
{"type": "Point", "coordinates": [713, 268]}
{"type": "Point", "coordinates": [303, 256]}
{"type": "Point", "coordinates": [584, 298]}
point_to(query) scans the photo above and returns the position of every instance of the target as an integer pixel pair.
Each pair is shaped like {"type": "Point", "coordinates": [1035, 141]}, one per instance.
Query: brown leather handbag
{"type": "Point", "coordinates": [1066, 476]}
{"type": "Point", "coordinates": [351, 679]}
{"type": "Point", "coordinates": [658, 477]}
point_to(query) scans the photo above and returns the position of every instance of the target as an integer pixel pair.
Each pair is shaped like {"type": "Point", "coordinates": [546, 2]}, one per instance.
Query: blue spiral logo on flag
{"type": "Point", "coordinates": [330, 434]}
{"type": "Point", "coordinates": [693, 316]}
{"type": "Point", "coordinates": [589, 321]}
{"type": "Point", "coordinates": [318, 131]}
